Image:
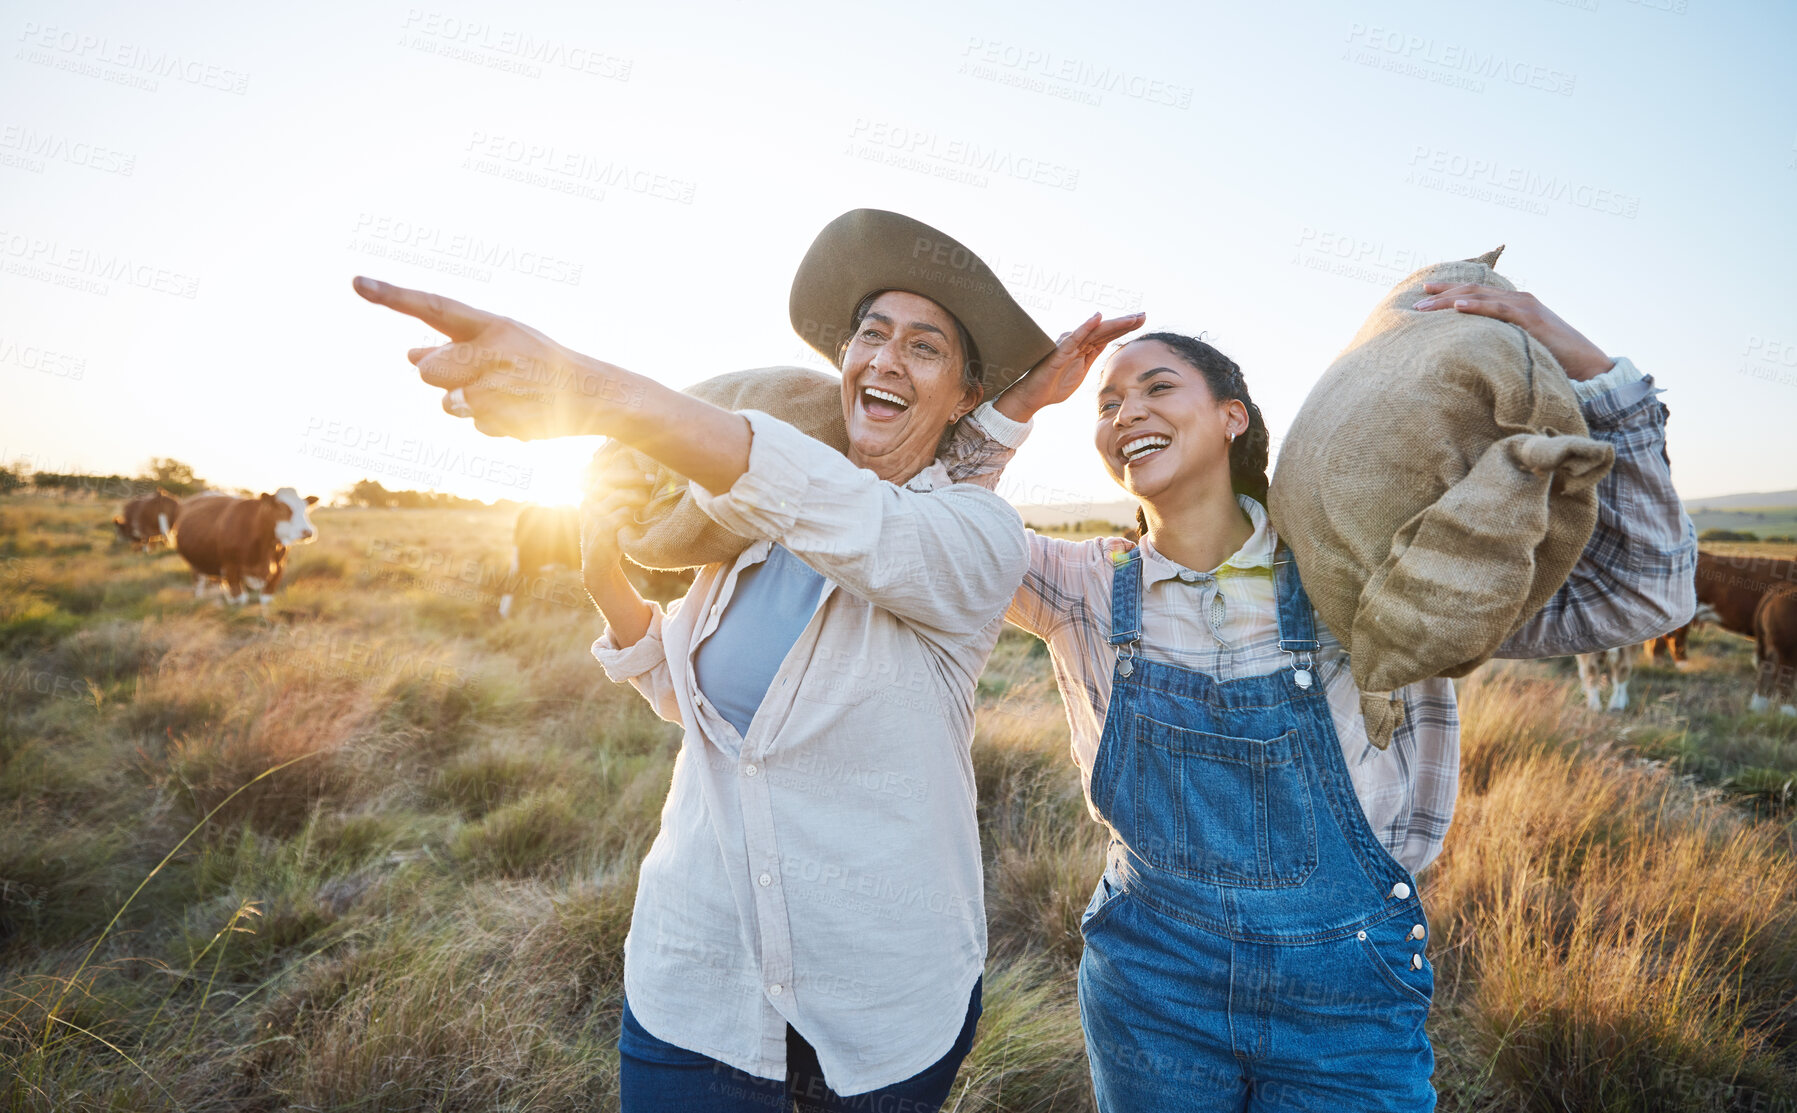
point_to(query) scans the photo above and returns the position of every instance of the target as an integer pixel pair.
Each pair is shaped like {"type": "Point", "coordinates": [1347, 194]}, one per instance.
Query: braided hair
{"type": "Point", "coordinates": [1248, 452]}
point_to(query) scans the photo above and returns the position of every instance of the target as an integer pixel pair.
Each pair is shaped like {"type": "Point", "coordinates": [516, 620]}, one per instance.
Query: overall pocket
{"type": "Point", "coordinates": [1234, 811]}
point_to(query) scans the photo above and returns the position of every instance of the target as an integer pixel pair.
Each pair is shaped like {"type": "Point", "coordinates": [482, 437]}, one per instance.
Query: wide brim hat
{"type": "Point", "coordinates": [867, 250]}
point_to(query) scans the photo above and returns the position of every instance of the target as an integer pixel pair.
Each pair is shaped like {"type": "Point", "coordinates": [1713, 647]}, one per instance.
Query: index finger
{"type": "Point", "coordinates": [446, 315]}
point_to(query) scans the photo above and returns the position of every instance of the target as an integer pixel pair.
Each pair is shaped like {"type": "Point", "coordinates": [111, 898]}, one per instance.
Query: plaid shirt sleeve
{"type": "Point", "coordinates": [982, 445]}
{"type": "Point", "coordinates": [1637, 576]}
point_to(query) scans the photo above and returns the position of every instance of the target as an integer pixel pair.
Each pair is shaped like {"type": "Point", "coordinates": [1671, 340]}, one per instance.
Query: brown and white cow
{"type": "Point", "coordinates": [1732, 586]}
{"type": "Point", "coordinates": [543, 538]}
{"type": "Point", "coordinates": [145, 521]}
{"type": "Point", "coordinates": [1735, 588]}
{"type": "Point", "coordinates": [1775, 651]}
{"type": "Point", "coordinates": [1671, 646]}
{"type": "Point", "coordinates": [1619, 665]}
{"type": "Point", "coordinates": [242, 542]}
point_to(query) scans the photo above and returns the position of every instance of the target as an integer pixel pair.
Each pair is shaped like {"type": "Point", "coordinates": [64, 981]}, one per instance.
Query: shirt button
{"type": "Point", "coordinates": [1361, 935]}
{"type": "Point", "coordinates": [1401, 891]}
{"type": "Point", "coordinates": [1416, 962]}
{"type": "Point", "coordinates": [776, 989]}
{"type": "Point", "coordinates": [1416, 932]}
{"type": "Point", "coordinates": [766, 879]}
{"type": "Point", "coordinates": [750, 770]}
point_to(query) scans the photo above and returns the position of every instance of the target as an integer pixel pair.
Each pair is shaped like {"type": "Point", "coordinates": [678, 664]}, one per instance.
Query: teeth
{"type": "Point", "coordinates": [887, 396]}
{"type": "Point", "coordinates": [1141, 446]}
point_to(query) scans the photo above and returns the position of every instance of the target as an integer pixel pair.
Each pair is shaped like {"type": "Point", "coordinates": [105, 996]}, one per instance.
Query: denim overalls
{"type": "Point", "coordinates": [1251, 945]}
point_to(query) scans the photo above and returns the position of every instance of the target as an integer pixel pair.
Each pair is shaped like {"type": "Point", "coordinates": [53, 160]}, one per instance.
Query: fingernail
{"type": "Point", "coordinates": [1423, 304]}
{"type": "Point", "coordinates": [1460, 304]}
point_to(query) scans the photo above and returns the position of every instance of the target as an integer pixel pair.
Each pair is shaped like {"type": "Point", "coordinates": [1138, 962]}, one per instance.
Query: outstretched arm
{"type": "Point", "coordinates": [519, 383]}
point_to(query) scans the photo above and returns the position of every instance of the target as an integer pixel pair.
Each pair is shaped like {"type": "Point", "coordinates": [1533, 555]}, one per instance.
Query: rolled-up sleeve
{"type": "Point", "coordinates": [644, 665]}
{"type": "Point", "coordinates": [1636, 578]}
{"type": "Point", "coordinates": [947, 559]}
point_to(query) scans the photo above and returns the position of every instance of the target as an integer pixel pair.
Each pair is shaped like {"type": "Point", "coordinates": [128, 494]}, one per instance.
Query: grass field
{"type": "Point", "coordinates": [424, 906]}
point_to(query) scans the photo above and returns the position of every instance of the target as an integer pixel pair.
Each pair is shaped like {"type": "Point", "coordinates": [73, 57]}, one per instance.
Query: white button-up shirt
{"type": "Point", "coordinates": [824, 869]}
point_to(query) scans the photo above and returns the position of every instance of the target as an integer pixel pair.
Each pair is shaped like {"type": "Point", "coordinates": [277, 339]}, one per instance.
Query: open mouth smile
{"type": "Point", "coordinates": [882, 403]}
{"type": "Point", "coordinates": [1137, 449]}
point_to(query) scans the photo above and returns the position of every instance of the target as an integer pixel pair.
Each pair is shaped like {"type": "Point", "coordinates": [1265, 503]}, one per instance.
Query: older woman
{"type": "Point", "coordinates": [809, 922]}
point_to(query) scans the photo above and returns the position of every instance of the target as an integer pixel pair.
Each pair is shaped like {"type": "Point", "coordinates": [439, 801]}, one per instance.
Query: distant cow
{"type": "Point", "coordinates": [1732, 586]}
{"type": "Point", "coordinates": [242, 542]}
{"type": "Point", "coordinates": [146, 520]}
{"type": "Point", "coordinates": [1775, 650]}
{"type": "Point", "coordinates": [543, 538]}
{"type": "Point", "coordinates": [1672, 646]}
{"type": "Point", "coordinates": [1735, 588]}
{"type": "Point", "coordinates": [1619, 664]}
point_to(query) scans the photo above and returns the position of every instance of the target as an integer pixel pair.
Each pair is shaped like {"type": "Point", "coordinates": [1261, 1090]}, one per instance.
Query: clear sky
{"type": "Point", "coordinates": [186, 190]}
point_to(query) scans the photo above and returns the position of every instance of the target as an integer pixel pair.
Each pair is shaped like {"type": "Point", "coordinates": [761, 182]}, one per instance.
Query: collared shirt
{"type": "Point", "coordinates": [1634, 580]}
{"type": "Point", "coordinates": [823, 869]}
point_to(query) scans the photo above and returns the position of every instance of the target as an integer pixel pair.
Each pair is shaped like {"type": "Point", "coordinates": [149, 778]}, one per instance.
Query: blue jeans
{"type": "Point", "coordinates": [655, 1076]}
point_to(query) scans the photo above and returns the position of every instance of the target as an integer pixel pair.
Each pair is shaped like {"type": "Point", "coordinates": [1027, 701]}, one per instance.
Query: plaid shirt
{"type": "Point", "coordinates": [1634, 580]}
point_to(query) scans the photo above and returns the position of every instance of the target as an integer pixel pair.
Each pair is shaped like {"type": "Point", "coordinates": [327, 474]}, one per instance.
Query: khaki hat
{"type": "Point", "coordinates": [871, 249]}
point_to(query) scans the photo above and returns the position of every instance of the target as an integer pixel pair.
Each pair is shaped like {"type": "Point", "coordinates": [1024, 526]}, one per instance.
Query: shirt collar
{"type": "Point", "coordinates": [930, 478]}
{"type": "Point", "coordinates": [1255, 555]}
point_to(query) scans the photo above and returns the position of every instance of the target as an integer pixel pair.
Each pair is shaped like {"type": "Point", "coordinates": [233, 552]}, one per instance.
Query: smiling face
{"type": "Point", "coordinates": [902, 384]}
{"type": "Point", "coordinates": [1160, 429]}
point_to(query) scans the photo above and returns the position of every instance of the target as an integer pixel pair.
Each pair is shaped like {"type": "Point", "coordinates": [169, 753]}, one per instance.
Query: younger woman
{"type": "Point", "coordinates": [1257, 939]}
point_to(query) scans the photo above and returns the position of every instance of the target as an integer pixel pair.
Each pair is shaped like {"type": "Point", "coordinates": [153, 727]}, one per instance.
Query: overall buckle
{"type": "Point", "coordinates": [1302, 666]}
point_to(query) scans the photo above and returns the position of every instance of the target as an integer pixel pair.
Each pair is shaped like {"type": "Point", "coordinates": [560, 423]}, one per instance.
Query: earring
{"type": "Point", "coordinates": [1232, 438]}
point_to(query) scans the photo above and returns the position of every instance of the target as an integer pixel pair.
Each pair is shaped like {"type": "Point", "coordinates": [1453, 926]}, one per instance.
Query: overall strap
{"type": "Point", "coordinates": [1297, 622]}
{"type": "Point", "coordinates": [1126, 606]}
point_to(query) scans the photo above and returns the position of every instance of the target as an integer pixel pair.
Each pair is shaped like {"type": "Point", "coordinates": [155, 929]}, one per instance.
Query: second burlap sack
{"type": "Point", "coordinates": [667, 530]}
{"type": "Point", "coordinates": [1436, 488]}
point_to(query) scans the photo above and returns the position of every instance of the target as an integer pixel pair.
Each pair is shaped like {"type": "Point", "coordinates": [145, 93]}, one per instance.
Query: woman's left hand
{"type": "Point", "coordinates": [1060, 372]}
{"type": "Point", "coordinates": [1578, 356]}
{"type": "Point", "coordinates": [510, 378]}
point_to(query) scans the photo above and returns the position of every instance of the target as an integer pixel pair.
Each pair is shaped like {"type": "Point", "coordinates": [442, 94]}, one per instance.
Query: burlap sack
{"type": "Point", "coordinates": [1436, 488]}
{"type": "Point", "coordinates": [669, 531]}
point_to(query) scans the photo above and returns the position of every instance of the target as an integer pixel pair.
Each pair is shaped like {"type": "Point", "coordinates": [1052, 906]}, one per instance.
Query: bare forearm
{"type": "Point", "coordinates": [625, 611]}
{"type": "Point", "coordinates": [703, 442]}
